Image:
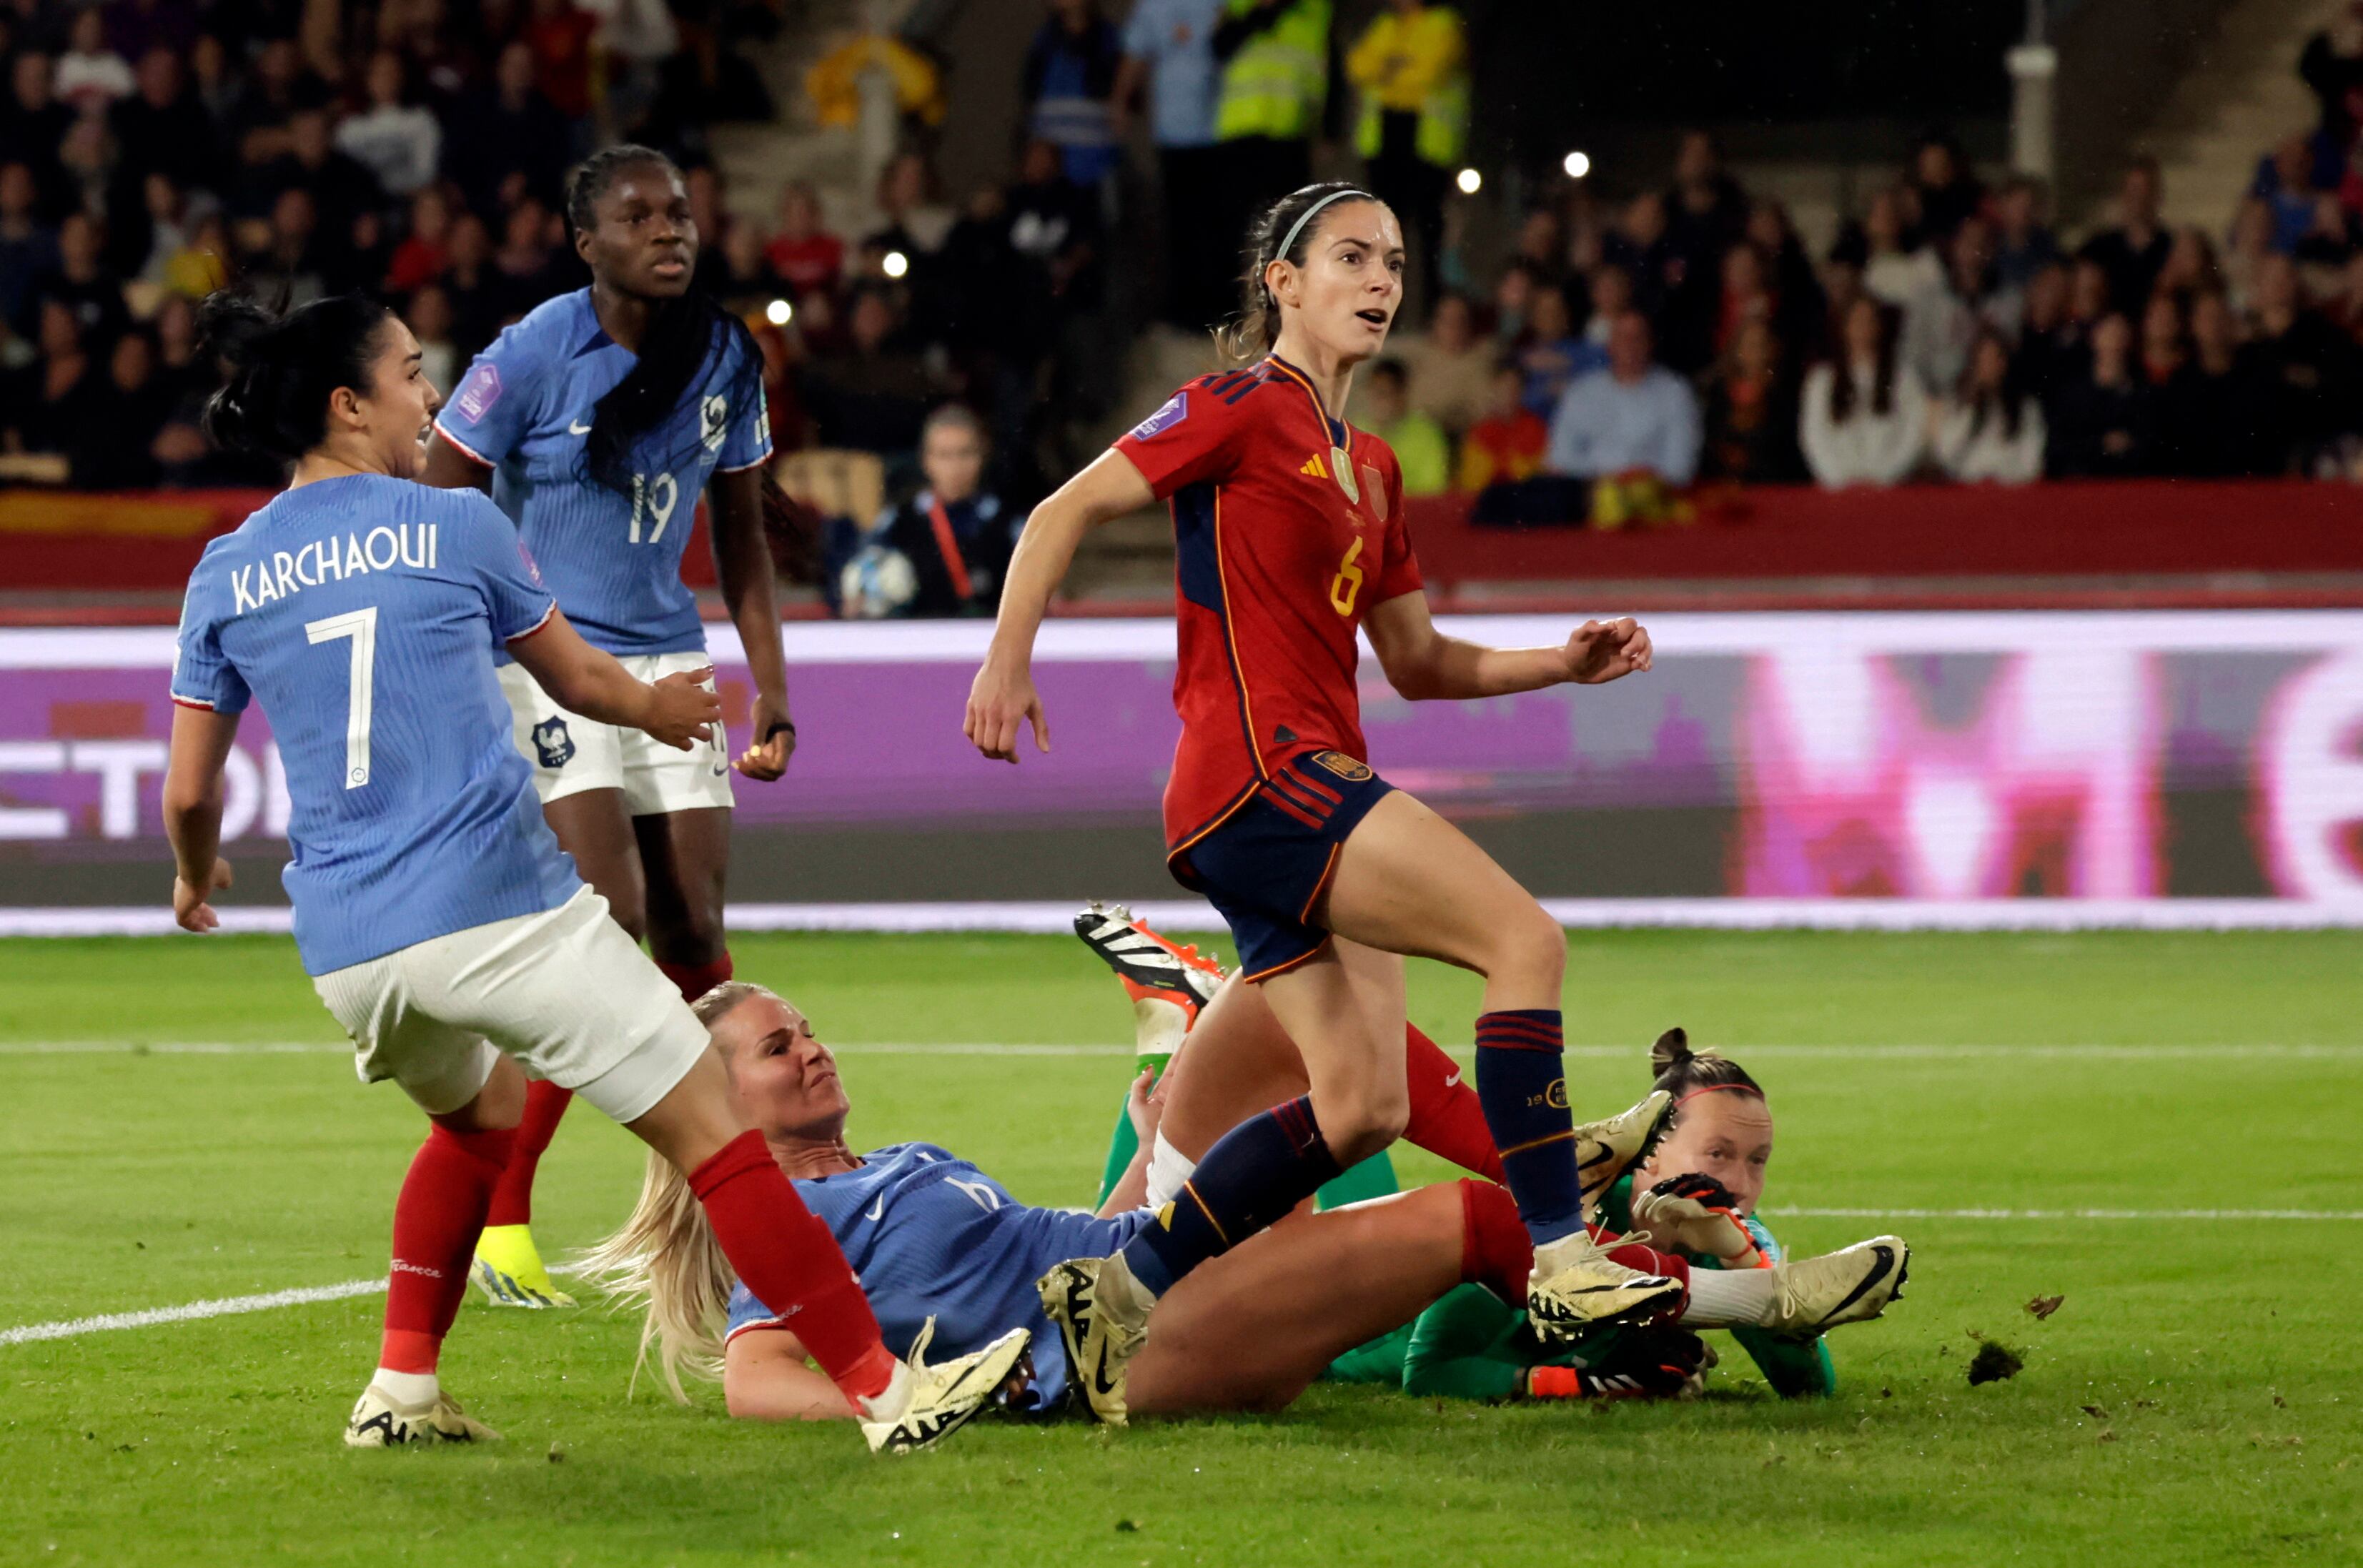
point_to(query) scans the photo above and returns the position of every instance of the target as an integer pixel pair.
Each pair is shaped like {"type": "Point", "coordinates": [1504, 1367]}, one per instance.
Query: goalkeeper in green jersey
{"type": "Point", "coordinates": [1696, 1193]}
{"type": "Point", "coordinates": [1686, 1165]}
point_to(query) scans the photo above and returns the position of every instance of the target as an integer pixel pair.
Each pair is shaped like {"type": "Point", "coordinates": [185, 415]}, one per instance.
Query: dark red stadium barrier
{"type": "Point", "coordinates": [2135, 529]}
{"type": "Point", "coordinates": [113, 544]}
{"type": "Point", "coordinates": [2158, 543]}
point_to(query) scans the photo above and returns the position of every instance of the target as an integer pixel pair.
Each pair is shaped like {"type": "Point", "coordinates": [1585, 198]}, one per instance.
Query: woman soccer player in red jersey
{"type": "Point", "coordinates": [1290, 538]}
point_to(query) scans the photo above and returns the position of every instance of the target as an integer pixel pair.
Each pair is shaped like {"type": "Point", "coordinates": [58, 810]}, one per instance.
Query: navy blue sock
{"type": "Point", "coordinates": [1252, 1177]}
{"type": "Point", "coordinates": [1522, 1086]}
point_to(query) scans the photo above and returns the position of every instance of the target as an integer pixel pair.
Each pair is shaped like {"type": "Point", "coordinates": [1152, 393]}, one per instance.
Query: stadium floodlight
{"type": "Point", "coordinates": [779, 313]}
{"type": "Point", "coordinates": [895, 264]}
{"type": "Point", "coordinates": [1576, 164]}
{"type": "Point", "coordinates": [1470, 182]}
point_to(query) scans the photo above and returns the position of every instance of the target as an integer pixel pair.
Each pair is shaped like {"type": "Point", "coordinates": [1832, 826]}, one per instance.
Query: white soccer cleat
{"type": "Point", "coordinates": [1852, 1286]}
{"type": "Point", "coordinates": [1606, 1150]}
{"type": "Point", "coordinates": [1149, 965]}
{"type": "Point", "coordinates": [1574, 1285]}
{"type": "Point", "coordinates": [1102, 1315]}
{"type": "Point", "coordinates": [378, 1421]}
{"type": "Point", "coordinates": [943, 1397]}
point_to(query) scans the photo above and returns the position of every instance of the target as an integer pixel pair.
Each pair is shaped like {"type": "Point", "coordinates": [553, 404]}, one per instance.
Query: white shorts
{"type": "Point", "coordinates": [570, 754]}
{"type": "Point", "coordinates": [565, 992]}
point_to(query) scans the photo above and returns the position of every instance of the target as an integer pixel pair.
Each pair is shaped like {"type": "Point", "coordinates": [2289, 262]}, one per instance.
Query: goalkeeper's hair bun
{"type": "Point", "coordinates": [1680, 1071]}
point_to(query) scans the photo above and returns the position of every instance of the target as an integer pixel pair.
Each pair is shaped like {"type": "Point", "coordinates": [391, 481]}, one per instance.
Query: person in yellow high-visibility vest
{"type": "Point", "coordinates": [1274, 60]}
{"type": "Point", "coordinates": [1411, 67]}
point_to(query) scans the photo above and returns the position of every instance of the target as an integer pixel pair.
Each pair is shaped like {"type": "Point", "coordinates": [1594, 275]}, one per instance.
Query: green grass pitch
{"type": "Point", "coordinates": [2195, 1398]}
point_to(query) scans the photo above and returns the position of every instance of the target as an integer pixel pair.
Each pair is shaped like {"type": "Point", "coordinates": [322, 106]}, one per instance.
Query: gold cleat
{"type": "Point", "coordinates": [945, 1396]}
{"type": "Point", "coordinates": [1102, 1315]}
{"type": "Point", "coordinates": [378, 1422]}
{"type": "Point", "coordinates": [1852, 1286]}
{"type": "Point", "coordinates": [1606, 1150]}
{"type": "Point", "coordinates": [1575, 1286]}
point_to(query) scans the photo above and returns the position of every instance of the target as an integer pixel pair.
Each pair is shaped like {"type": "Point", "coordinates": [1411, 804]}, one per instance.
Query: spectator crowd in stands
{"type": "Point", "coordinates": [152, 150]}
{"type": "Point", "coordinates": [1684, 335]}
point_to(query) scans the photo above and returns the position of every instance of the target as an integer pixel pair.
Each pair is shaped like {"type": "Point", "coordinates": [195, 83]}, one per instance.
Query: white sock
{"type": "Point", "coordinates": [411, 1390]}
{"type": "Point", "coordinates": [889, 1403]}
{"type": "Point", "coordinates": [1724, 1299]}
{"type": "Point", "coordinates": [1168, 1169]}
{"type": "Point", "coordinates": [1158, 1025]}
{"type": "Point", "coordinates": [1553, 1256]}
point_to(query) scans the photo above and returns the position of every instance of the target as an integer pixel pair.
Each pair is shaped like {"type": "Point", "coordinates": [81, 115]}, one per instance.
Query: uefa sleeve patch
{"type": "Point", "coordinates": [482, 390]}
{"type": "Point", "coordinates": [1176, 410]}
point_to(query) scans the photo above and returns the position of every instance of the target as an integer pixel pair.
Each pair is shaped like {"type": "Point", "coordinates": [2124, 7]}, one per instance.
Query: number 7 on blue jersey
{"type": "Point", "coordinates": [360, 625]}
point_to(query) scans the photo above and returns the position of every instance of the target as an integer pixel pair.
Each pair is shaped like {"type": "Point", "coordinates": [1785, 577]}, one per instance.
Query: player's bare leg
{"type": "Point", "coordinates": [1252, 1328]}
{"type": "Point", "coordinates": [1235, 1061]}
{"type": "Point", "coordinates": [1410, 882]}
{"type": "Point", "coordinates": [594, 827]}
{"type": "Point", "coordinates": [1257, 1172]}
{"type": "Point", "coordinates": [685, 858]}
{"type": "Point", "coordinates": [1343, 1010]}
{"type": "Point", "coordinates": [1240, 1060]}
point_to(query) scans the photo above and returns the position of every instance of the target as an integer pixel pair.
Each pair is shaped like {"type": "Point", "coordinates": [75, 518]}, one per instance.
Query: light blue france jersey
{"type": "Point", "coordinates": [363, 613]}
{"type": "Point", "coordinates": [929, 1235]}
{"type": "Point", "coordinates": [614, 560]}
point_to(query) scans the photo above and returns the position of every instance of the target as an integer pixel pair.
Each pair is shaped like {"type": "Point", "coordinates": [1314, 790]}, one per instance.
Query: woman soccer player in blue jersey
{"type": "Point", "coordinates": [440, 922]}
{"type": "Point", "coordinates": [596, 423]}
{"type": "Point", "coordinates": [936, 1240]}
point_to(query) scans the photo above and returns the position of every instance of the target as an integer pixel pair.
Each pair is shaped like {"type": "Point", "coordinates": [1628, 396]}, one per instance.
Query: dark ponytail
{"type": "Point", "coordinates": [282, 369]}
{"type": "Point", "coordinates": [685, 339]}
{"type": "Point", "coordinates": [1258, 326]}
{"type": "Point", "coordinates": [1680, 1071]}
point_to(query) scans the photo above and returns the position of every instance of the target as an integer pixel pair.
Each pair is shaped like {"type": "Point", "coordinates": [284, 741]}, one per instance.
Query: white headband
{"type": "Point", "coordinates": [1298, 227]}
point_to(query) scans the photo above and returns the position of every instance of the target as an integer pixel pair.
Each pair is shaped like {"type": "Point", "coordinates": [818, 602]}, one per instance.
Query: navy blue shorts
{"type": "Point", "coordinates": [1267, 863]}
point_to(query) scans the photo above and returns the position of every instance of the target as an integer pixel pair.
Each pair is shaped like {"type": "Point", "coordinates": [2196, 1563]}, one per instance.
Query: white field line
{"type": "Point", "coordinates": [230, 1306]}
{"type": "Point", "coordinates": [1902, 1053]}
{"type": "Point", "coordinates": [2041, 1214]}
{"type": "Point", "coordinates": [220, 1306]}
{"type": "Point", "coordinates": [193, 1311]}
{"type": "Point", "coordinates": [1192, 915]}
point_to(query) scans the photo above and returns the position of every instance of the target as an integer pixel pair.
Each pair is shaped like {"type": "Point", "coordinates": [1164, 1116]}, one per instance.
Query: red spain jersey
{"type": "Point", "coordinates": [1278, 556]}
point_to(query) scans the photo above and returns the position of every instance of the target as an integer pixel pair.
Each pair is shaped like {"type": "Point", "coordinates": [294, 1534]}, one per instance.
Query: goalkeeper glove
{"type": "Point", "coordinates": [1643, 1364]}
{"type": "Point", "coordinates": [1696, 1213]}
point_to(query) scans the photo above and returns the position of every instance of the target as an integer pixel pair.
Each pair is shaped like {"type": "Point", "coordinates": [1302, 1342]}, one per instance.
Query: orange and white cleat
{"type": "Point", "coordinates": [1152, 967]}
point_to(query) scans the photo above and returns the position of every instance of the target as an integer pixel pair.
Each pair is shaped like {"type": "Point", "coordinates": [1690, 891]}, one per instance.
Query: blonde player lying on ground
{"type": "Point", "coordinates": [936, 1240]}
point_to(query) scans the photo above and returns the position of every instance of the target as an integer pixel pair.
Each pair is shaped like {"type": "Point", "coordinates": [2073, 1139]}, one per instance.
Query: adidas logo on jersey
{"type": "Point", "coordinates": [1313, 467]}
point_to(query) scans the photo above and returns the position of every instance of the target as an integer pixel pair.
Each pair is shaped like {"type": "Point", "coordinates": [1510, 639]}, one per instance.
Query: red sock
{"type": "Point", "coordinates": [435, 1221]}
{"type": "Point", "coordinates": [787, 1257]}
{"type": "Point", "coordinates": [1495, 1250]}
{"type": "Point", "coordinates": [696, 979]}
{"type": "Point", "coordinates": [1446, 1117]}
{"type": "Point", "coordinates": [545, 1102]}
{"type": "Point", "coordinates": [1648, 1260]}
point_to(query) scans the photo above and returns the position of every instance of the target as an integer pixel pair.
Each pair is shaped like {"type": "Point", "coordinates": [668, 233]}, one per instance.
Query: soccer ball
{"type": "Point", "coordinates": [876, 584]}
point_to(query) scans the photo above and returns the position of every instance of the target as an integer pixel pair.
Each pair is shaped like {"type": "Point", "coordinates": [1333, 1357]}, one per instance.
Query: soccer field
{"type": "Point", "coordinates": [2158, 1129]}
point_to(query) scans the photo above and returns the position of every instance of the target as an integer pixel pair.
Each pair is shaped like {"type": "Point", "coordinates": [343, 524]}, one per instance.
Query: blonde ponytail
{"type": "Point", "coordinates": [665, 1259]}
